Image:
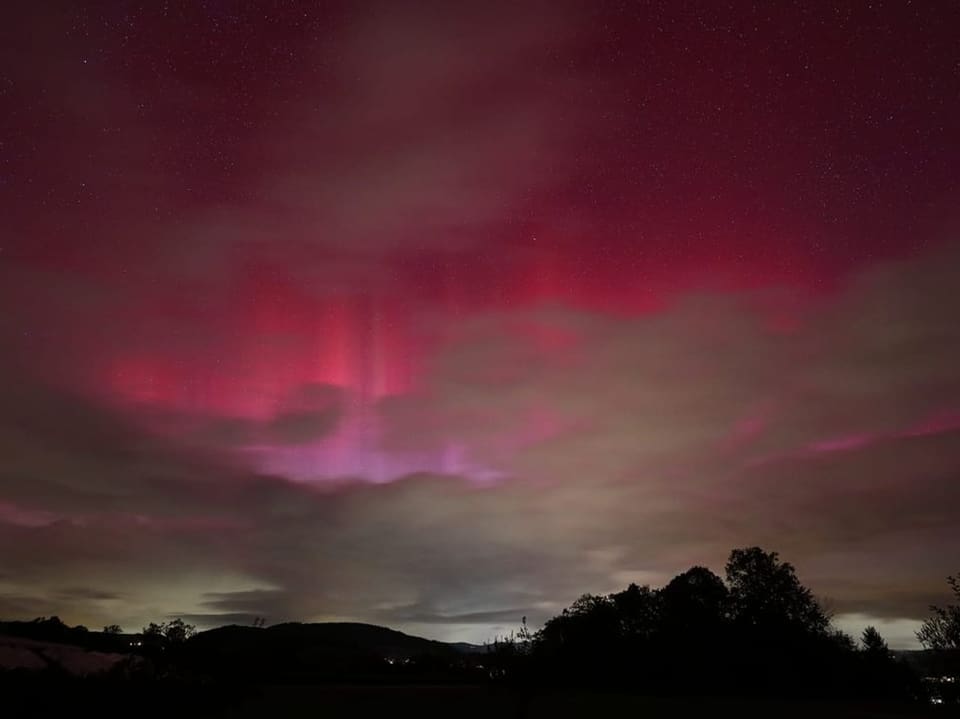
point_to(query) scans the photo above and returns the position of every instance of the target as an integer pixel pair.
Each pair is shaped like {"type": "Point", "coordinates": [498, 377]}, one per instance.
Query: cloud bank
{"type": "Point", "coordinates": [614, 449]}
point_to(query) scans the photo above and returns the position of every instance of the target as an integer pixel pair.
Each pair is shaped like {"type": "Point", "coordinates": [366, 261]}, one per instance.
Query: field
{"type": "Point", "coordinates": [470, 702]}
{"type": "Point", "coordinates": [103, 699]}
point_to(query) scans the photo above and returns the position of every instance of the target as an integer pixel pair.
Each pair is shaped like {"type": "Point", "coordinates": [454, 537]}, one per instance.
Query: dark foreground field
{"type": "Point", "coordinates": [295, 702]}
{"type": "Point", "coordinates": [488, 703]}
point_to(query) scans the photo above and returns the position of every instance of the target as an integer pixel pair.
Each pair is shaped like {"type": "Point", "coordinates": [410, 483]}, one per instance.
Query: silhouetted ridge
{"type": "Point", "coordinates": [341, 636]}
{"type": "Point", "coordinates": [316, 652]}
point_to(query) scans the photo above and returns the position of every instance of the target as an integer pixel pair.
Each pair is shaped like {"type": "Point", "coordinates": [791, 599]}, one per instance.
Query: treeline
{"type": "Point", "coordinates": [759, 631]}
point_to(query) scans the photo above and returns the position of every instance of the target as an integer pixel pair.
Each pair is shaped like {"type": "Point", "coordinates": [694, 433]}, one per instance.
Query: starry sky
{"type": "Point", "coordinates": [436, 315]}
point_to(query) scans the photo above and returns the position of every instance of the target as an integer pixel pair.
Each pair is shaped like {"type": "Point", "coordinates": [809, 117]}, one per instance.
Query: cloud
{"type": "Point", "coordinates": [310, 413]}
{"type": "Point", "coordinates": [432, 137]}
{"type": "Point", "coordinates": [642, 446]}
{"type": "Point", "coordinates": [425, 614]}
{"type": "Point", "coordinates": [98, 595]}
{"type": "Point", "coordinates": [697, 429]}
{"type": "Point", "coordinates": [405, 134]}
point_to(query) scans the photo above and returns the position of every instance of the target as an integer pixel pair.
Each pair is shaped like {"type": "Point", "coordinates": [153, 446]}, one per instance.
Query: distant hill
{"type": "Point", "coordinates": [337, 650]}
{"type": "Point", "coordinates": [287, 652]}
{"type": "Point", "coordinates": [929, 663]}
{"type": "Point", "coordinates": [468, 648]}
{"type": "Point", "coordinates": [342, 638]}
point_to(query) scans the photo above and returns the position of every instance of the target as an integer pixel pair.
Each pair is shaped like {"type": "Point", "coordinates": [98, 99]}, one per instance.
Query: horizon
{"type": "Point", "coordinates": [900, 635]}
{"type": "Point", "coordinates": [436, 316]}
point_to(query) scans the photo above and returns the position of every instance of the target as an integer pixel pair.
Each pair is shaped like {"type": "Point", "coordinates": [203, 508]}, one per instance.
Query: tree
{"type": "Point", "coordinates": [942, 630]}
{"type": "Point", "coordinates": [841, 640]}
{"type": "Point", "coordinates": [692, 633]}
{"type": "Point", "coordinates": [153, 630]}
{"type": "Point", "coordinates": [695, 600]}
{"type": "Point", "coordinates": [49, 628]}
{"type": "Point", "coordinates": [590, 621]}
{"type": "Point", "coordinates": [873, 643]}
{"type": "Point", "coordinates": [584, 639]}
{"type": "Point", "coordinates": [176, 631]}
{"type": "Point", "coordinates": [760, 633]}
{"type": "Point", "coordinates": [639, 609]}
{"type": "Point", "coordinates": [112, 629]}
{"type": "Point", "coordinates": [765, 592]}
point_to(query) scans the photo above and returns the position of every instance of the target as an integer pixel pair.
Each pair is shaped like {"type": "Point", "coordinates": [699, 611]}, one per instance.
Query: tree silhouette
{"type": "Point", "coordinates": [112, 629]}
{"type": "Point", "coordinates": [841, 640]}
{"type": "Point", "coordinates": [762, 630]}
{"type": "Point", "coordinates": [942, 630]}
{"type": "Point", "coordinates": [695, 600]}
{"type": "Point", "coordinates": [873, 643]}
{"type": "Point", "coordinates": [784, 643]}
{"type": "Point", "coordinates": [639, 610]}
{"type": "Point", "coordinates": [692, 632]}
{"type": "Point", "coordinates": [176, 631]}
{"type": "Point", "coordinates": [765, 592]}
{"type": "Point", "coordinates": [589, 623]}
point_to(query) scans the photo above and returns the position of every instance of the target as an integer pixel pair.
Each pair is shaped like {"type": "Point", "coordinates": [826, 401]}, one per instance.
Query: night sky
{"type": "Point", "coordinates": [439, 314]}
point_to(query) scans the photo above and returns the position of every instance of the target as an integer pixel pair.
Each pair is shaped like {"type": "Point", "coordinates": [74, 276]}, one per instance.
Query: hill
{"type": "Point", "coordinates": [317, 652]}
{"type": "Point", "coordinates": [288, 652]}
{"type": "Point", "coordinates": [341, 638]}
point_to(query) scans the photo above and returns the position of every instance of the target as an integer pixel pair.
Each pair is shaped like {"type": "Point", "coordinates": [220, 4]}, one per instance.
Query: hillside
{"type": "Point", "coordinates": [294, 651]}
{"type": "Point", "coordinates": [291, 651]}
